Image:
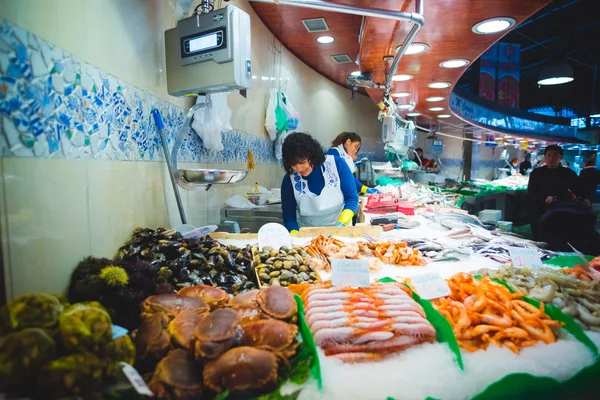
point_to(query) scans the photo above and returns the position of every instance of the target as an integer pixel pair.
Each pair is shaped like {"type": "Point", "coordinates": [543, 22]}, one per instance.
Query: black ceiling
{"type": "Point", "coordinates": [565, 31]}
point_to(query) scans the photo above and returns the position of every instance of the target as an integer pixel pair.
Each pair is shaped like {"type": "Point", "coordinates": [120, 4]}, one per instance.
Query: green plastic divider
{"type": "Point", "coordinates": [309, 342]}
{"type": "Point", "coordinates": [566, 261]}
{"type": "Point", "coordinates": [555, 313]}
{"type": "Point", "coordinates": [444, 333]}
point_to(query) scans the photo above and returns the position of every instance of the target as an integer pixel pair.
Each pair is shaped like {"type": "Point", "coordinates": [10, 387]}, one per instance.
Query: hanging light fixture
{"type": "Point", "coordinates": [556, 74]}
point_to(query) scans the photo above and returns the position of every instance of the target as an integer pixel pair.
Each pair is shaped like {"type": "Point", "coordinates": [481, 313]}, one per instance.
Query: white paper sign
{"type": "Point", "coordinates": [136, 380]}
{"type": "Point", "coordinates": [345, 272]}
{"type": "Point", "coordinates": [430, 285]}
{"type": "Point", "coordinates": [524, 257]}
{"type": "Point", "coordinates": [274, 235]}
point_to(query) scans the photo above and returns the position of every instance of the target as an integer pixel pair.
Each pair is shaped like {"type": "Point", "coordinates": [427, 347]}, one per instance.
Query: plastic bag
{"type": "Point", "coordinates": [270, 124]}
{"type": "Point", "coordinates": [208, 123]}
{"type": "Point", "coordinates": [239, 201]}
{"type": "Point", "coordinates": [280, 115]}
{"type": "Point", "coordinates": [293, 118]}
{"type": "Point", "coordinates": [278, 143]}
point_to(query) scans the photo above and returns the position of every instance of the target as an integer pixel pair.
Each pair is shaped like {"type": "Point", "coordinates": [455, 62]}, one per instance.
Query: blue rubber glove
{"type": "Point", "coordinates": [372, 191]}
{"type": "Point", "coordinates": [339, 224]}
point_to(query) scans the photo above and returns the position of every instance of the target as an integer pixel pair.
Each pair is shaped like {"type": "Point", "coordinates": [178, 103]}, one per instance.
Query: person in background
{"type": "Point", "coordinates": [514, 166]}
{"type": "Point", "coordinates": [317, 190]}
{"type": "Point", "coordinates": [525, 165]}
{"type": "Point", "coordinates": [346, 145]}
{"type": "Point", "coordinates": [420, 160]}
{"type": "Point", "coordinates": [589, 179]}
{"type": "Point", "coordinates": [549, 185]}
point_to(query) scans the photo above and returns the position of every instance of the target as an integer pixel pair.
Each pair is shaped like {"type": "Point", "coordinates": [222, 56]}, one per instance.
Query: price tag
{"type": "Point", "coordinates": [136, 380]}
{"type": "Point", "coordinates": [345, 272]}
{"type": "Point", "coordinates": [274, 235]}
{"type": "Point", "coordinates": [524, 257]}
{"type": "Point", "coordinates": [430, 285]}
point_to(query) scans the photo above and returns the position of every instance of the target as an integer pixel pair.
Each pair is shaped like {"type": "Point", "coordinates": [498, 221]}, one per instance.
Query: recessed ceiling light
{"type": "Point", "coordinates": [402, 77]}
{"type": "Point", "coordinates": [439, 85]}
{"type": "Point", "coordinates": [415, 48]}
{"type": "Point", "coordinates": [355, 73]}
{"type": "Point", "coordinates": [444, 116]}
{"type": "Point", "coordinates": [264, 78]}
{"type": "Point", "coordinates": [413, 114]}
{"type": "Point", "coordinates": [458, 63]}
{"type": "Point", "coordinates": [254, 76]}
{"type": "Point", "coordinates": [325, 39]}
{"type": "Point", "coordinates": [404, 106]}
{"type": "Point", "coordinates": [401, 94]}
{"type": "Point", "coordinates": [558, 80]}
{"type": "Point", "coordinates": [436, 109]}
{"type": "Point", "coordinates": [434, 99]}
{"type": "Point", "coordinates": [493, 25]}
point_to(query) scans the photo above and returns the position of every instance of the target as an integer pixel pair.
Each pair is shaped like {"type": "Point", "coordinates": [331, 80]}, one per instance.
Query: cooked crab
{"type": "Point", "coordinates": [172, 304]}
{"type": "Point", "coordinates": [152, 340]}
{"type": "Point", "coordinates": [242, 368]}
{"type": "Point", "coordinates": [183, 326]}
{"type": "Point", "coordinates": [273, 334]}
{"type": "Point", "coordinates": [213, 296]}
{"type": "Point", "coordinates": [277, 302]}
{"type": "Point", "coordinates": [216, 333]}
{"type": "Point", "coordinates": [177, 377]}
{"type": "Point", "coordinates": [247, 307]}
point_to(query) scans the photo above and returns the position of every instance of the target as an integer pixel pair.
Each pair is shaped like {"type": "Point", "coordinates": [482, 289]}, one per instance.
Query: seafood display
{"type": "Point", "coordinates": [195, 346]}
{"type": "Point", "coordinates": [483, 312]}
{"type": "Point", "coordinates": [284, 267]}
{"type": "Point", "coordinates": [393, 253]}
{"type": "Point", "coordinates": [497, 248]}
{"type": "Point", "coordinates": [586, 272]}
{"type": "Point", "coordinates": [577, 298]}
{"type": "Point", "coordinates": [365, 324]}
{"type": "Point", "coordinates": [52, 350]}
{"type": "Point", "coordinates": [159, 262]}
{"type": "Point", "coordinates": [323, 248]}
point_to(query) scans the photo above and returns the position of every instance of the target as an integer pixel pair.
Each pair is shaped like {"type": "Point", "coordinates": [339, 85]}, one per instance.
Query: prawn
{"type": "Point", "coordinates": [504, 321]}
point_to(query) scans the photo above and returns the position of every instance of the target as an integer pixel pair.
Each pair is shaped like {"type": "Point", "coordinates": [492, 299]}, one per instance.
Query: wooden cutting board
{"type": "Point", "coordinates": [347, 231]}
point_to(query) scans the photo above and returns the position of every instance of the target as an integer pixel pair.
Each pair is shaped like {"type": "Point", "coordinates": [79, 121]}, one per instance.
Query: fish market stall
{"type": "Point", "coordinates": [272, 321]}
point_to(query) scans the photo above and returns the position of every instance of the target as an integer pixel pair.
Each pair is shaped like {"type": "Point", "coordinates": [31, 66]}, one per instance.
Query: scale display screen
{"type": "Point", "coordinates": [204, 42]}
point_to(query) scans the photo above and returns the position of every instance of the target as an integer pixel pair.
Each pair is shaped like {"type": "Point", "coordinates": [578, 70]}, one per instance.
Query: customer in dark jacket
{"type": "Point", "coordinates": [549, 185]}
{"type": "Point", "coordinates": [589, 179]}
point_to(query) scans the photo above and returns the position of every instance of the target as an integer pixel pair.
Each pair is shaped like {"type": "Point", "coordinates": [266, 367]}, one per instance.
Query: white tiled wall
{"type": "Point", "coordinates": [55, 212]}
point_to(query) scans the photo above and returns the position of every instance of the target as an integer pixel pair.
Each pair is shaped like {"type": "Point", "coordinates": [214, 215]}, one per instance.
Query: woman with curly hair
{"type": "Point", "coordinates": [317, 190]}
{"type": "Point", "coordinates": [346, 145]}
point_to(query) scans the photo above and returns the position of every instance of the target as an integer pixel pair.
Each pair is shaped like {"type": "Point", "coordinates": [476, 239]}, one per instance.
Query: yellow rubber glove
{"type": "Point", "coordinates": [363, 189]}
{"type": "Point", "coordinates": [294, 232]}
{"type": "Point", "coordinates": [346, 217]}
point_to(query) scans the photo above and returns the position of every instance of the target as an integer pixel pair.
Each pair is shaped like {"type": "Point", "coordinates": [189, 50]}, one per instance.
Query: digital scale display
{"type": "Point", "coordinates": [206, 42]}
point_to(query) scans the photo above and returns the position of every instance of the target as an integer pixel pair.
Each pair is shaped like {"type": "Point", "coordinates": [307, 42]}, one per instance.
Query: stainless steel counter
{"type": "Point", "coordinates": [252, 220]}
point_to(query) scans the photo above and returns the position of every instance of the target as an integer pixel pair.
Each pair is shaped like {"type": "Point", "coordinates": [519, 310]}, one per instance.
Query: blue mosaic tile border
{"type": "Point", "coordinates": [55, 105]}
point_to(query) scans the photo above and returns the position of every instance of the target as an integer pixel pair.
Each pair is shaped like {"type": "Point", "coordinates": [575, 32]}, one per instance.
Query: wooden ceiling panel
{"type": "Point", "coordinates": [447, 31]}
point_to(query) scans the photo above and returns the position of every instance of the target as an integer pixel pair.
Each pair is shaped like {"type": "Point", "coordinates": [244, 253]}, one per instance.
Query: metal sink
{"type": "Point", "coordinates": [193, 179]}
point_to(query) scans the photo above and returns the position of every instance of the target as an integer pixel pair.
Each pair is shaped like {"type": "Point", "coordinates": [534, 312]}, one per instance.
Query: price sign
{"type": "Point", "coordinates": [136, 380]}
{"type": "Point", "coordinates": [346, 272]}
{"type": "Point", "coordinates": [524, 257]}
{"type": "Point", "coordinates": [430, 285]}
{"type": "Point", "coordinates": [274, 235]}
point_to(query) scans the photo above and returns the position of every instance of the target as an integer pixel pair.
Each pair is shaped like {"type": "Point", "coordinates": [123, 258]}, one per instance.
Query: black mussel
{"type": "Point", "coordinates": [206, 279]}
{"type": "Point", "coordinates": [249, 285]}
{"type": "Point", "coordinates": [213, 273]}
{"type": "Point", "coordinates": [184, 274]}
{"type": "Point", "coordinates": [195, 279]}
{"type": "Point", "coordinates": [222, 279]}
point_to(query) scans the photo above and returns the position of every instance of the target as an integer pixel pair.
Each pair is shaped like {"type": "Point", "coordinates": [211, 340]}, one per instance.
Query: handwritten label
{"type": "Point", "coordinates": [274, 235]}
{"type": "Point", "coordinates": [136, 380]}
{"type": "Point", "coordinates": [524, 257]}
{"type": "Point", "coordinates": [430, 285]}
{"type": "Point", "coordinates": [345, 272]}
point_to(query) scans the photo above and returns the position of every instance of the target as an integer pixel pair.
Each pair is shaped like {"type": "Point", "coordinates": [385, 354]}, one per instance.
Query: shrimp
{"type": "Point", "coordinates": [544, 334]}
{"type": "Point", "coordinates": [504, 321]}
{"type": "Point", "coordinates": [476, 302]}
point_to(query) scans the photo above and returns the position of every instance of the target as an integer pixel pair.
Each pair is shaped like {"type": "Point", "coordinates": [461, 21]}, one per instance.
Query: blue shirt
{"type": "Point", "coordinates": [316, 183]}
{"type": "Point", "coordinates": [334, 151]}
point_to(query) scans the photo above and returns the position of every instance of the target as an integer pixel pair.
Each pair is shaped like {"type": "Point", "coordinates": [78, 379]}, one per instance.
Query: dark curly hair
{"type": "Point", "coordinates": [298, 147]}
